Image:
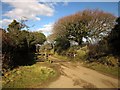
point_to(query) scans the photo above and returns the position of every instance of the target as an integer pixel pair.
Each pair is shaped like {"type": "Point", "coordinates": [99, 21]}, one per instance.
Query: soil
{"type": "Point", "coordinates": [77, 76]}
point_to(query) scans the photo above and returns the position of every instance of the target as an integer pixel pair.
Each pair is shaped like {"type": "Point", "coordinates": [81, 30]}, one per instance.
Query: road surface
{"type": "Point", "coordinates": [77, 76]}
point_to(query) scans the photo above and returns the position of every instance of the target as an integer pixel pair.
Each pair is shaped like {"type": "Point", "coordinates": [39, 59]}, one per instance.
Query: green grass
{"type": "Point", "coordinates": [29, 76]}
{"type": "Point", "coordinates": [61, 57]}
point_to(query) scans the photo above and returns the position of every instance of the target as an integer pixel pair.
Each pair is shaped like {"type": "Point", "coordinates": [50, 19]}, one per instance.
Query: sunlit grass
{"type": "Point", "coordinates": [61, 57]}
{"type": "Point", "coordinates": [28, 76]}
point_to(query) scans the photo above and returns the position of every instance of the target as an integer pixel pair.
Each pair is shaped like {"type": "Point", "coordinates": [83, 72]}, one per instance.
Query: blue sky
{"type": "Point", "coordinates": [42, 16]}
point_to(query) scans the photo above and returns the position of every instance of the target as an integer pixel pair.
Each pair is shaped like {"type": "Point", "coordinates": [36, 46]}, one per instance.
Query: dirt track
{"type": "Point", "coordinates": [77, 76]}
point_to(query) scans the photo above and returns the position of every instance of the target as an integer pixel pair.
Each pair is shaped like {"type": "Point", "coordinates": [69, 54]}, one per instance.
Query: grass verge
{"type": "Point", "coordinates": [61, 57]}
{"type": "Point", "coordinates": [34, 76]}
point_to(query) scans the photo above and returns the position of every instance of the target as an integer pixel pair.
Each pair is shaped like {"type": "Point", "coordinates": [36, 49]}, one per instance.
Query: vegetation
{"type": "Point", "coordinates": [86, 31]}
{"type": "Point", "coordinates": [100, 65]}
{"type": "Point", "coordinates": [61, 44]}
{"type": "Point", "coordinates": [114, 38]}
{"type": "Point", "coordinates": [29, 76]}
{"type": "Point", "coordinates": [19, 45]}
{"type": "Point", "coordinates": [107, 70]}
{"type": "Point", "coordinates": [98, 47]}
{"type": "Point", "coordinates": [89, 24]}
{"type": "Point", "coordinates": [100, 34]}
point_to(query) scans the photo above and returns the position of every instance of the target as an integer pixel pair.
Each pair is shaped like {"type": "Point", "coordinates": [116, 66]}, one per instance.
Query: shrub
{"type": "Point", "coordinates": [61, 44]}
{"type": "Point", "coordinates": [82, 53]}
{"type": "Point", "coordinates": [108, 60]}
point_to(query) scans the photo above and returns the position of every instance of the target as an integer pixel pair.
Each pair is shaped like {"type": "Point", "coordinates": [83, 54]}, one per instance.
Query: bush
{"type": "Point", "coordinates": [82, 53]}
{"type": "Point", "coordinates": [17, 45]}
{"type": "Point", "coordinates": [114, 38]}
{"type": "Point", "coordinates": [61, 44]}
{"type": "Point", "coordinates": [109, 60]}
{"type": "Point", "coordinates": [99, 49]}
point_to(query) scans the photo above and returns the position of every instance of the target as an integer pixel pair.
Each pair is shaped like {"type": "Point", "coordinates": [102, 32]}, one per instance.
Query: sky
{"type": "Point", "coordinates": [42, 15]}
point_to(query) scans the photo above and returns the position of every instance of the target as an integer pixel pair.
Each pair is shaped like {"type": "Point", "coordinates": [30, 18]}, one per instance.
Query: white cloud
{"type": "Point", "coordinates": [46, 29]}
{"type": "Point", "coordinates": [5, 22]}
{"type": "Point", "coordinates": [27, 8]}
